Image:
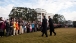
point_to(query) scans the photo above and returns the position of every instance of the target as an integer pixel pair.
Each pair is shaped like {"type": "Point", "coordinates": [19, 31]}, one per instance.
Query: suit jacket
{"type": "Point", "coordinates": [51, 23]}
{"type": "Point", "coordinates": [44, 25]}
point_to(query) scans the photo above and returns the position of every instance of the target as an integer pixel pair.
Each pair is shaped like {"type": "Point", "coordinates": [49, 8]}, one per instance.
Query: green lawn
{"type": "Point", "coordinates": [64, 35]}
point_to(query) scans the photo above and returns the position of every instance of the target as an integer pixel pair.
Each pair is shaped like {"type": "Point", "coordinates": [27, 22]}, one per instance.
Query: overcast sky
{"type": "Point", "coordinates": [63, 7]}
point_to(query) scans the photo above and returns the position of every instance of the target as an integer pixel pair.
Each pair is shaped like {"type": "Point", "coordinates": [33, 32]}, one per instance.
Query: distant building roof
{"type": "Point", "coordinates": [38, 10]}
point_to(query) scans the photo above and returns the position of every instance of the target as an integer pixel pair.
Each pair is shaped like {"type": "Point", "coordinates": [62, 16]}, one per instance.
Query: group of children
{"type": "Point", "coordinates": [16, 27]}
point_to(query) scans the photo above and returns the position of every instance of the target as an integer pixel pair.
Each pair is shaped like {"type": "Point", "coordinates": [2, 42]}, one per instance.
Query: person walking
{"type": "Point", "coordinates": [44, 26]}
{"type": "Point", "coordinates": [51, 26]}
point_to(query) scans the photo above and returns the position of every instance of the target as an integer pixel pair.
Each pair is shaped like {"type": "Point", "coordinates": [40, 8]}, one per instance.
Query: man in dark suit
{"type": "Point", "coordinates": [44, 26]}
{"type": "Point", "coordinates": [51, 26]}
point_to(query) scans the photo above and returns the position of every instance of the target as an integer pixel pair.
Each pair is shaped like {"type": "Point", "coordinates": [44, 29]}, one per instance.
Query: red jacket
{"type": "Point", "coordinates": [2, 25]}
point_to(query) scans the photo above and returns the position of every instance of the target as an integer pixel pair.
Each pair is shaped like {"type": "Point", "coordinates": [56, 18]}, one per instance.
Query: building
{"type": "Point", "coordinates": [49, 14]}
{"type": "Point", "coordinates": [69, 23]}
{"type": "Point", "coordinates": [41, 12]}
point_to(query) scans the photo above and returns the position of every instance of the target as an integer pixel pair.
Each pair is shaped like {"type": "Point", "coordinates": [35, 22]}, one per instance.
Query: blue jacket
{"type": "Point", "coordinates": [33, 25]}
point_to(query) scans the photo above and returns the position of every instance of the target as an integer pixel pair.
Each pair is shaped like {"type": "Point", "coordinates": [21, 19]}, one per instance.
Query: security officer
{"type": "Point", "coordinates": [44, 26]}
{"type": "Point", "coordinates": [51, 26]}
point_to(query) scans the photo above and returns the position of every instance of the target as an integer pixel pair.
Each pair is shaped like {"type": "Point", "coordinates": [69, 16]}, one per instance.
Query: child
{"type": "Point", "coordinates": [30, 28]}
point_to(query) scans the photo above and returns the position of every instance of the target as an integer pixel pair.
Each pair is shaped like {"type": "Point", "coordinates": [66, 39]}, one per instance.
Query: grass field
{"type": "Point", "coordinates": [64, 35]}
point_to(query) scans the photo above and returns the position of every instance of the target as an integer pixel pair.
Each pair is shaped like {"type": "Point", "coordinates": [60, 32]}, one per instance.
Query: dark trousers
{"type": "Point", "coordinates": [44, 31]}
{"type": "Point", "coordinates": [52, 30]}
{"type": "Point", "coordinates": [7, 32]}
{"type": "Point", "coordinates": [28, 30]}
{"type": "Point", "coordinates": [33, 29]}
{"type": "Point", "coordinates": [11, 31]}
{"type": "Point", "coordinates": [1, 34]}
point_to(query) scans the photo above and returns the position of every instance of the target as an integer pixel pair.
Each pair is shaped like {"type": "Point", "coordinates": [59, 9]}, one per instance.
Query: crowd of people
{"type": "Point", "coordinates": [11, 27]}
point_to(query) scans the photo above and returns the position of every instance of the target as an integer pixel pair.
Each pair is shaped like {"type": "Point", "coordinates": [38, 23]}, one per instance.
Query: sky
{"type": "Point", "coordinates": [67, 8]}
